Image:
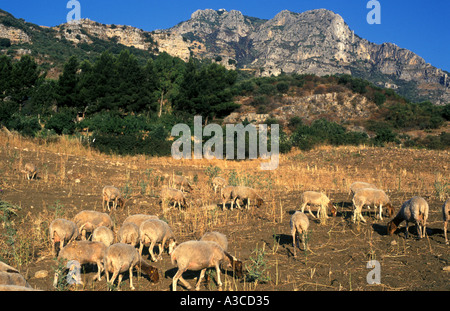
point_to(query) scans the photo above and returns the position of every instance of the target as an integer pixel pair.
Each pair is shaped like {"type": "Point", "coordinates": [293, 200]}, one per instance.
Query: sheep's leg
{"type": "Point", "coordinates": [161, 248]}
{"type": "Point", "coordinates": [152, 245]}
{"type": "Point", "coordinates": [406, 234]}
{"type": "Point", "coordinates": [61, 244]}
{"type": "Point", "coordinates": [248, 203]}
{"type": "Point", "coordinates": [99, 271]}
{"type": "Point", "coordinates": [293, 243]}
{"type": "Point", "coordinates": [236, 200]}
{"type": "Point", "coordinates": [219, 282]}
{"type": "Point", "coordinates": [309, 211]}
{"type": "Point", "coordinates": [130, 272]}
{"type": "Point", "coordinates": [200, 278]}
{"type": "Point", "coordinates": [141, 246]}
{"type": "Point", "coordinates": [381, 212]}
{"type": "Point", "coordinates": [179, 276]}
{"type": "Point", "coordinates": [113, 278]}
{"type": "Point", "coordinates": [445, 231]}
{"type": "Point", "coordinates": [119, 281]}
{"type": "Point", "coordinates": [304, 240]}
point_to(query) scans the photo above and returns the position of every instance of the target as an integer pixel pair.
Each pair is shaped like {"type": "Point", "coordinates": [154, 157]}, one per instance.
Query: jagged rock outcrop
{"type": "Point", "coordinates": [317, 42]}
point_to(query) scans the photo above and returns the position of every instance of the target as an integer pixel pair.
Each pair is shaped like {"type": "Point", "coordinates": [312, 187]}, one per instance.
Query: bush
{"type": "Point", "coordinates": [62, 122]}
{"type": "Point", "coordinates": [25, 125]}
{"type": "Point", "coordinates": [283, 87]}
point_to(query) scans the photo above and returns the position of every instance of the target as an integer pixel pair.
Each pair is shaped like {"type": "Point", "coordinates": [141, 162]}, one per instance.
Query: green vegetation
{"type": "Point", "coordinates": [129, 106]}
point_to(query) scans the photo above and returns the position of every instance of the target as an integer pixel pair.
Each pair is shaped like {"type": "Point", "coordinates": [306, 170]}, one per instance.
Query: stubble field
{"type": "Point", "coordinates": [71, 177]}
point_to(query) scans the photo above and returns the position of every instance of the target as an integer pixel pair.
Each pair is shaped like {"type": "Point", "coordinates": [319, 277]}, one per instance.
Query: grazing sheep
{"type": "Point", "coordinates": [11, 276]}
{"type": "Point", "coordinates": [360, 185]}
{"type": "Point", "coordinates": [30, 171]}
{"type": "Point", "coordinates": [414, 210]}
{"type": "Point", "coordinates": [112, 194]}
{"type": "Point", "coordinates": [299, 224]}
{"type": "Point", "coordinates": [88, 220]}
{"type": "Point", "coordinates": [218, 182]}
{"type": "Point", "coordinates": [200, 255]}
{"type": "Point", "coordinates": [128, 234]}
{"type": "Point", "coordinates": [173, 195]}
{"type": "Point", "coordinates": [246, 194]}
{"type": "Point", "coordinates": [226, 196]}
{"type": "Point", "coordinates": [121, 257]}
{"type": "Point", "coordinates": [445, 217]}
{"type": "Point", "coordinates": [309, 198]}
{"type": "Point", "coordinates": [62, 231]}
{"type": "Point", "coordinates": [104, 235]}
{"type": "Point", "coordinates": [368, 196]}
{"type": "Point", "coordinates": [217, 237]}
{"type": "Point", "coordinates": [181, 182]}
{"type": "Point", "coordinates": [83, 252]}
{"type": "Point", "coordinates": [156, 231]}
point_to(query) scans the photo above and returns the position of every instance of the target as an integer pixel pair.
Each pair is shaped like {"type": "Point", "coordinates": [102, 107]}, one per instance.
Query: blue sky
{"type": "Point", "coordinates": [420, 26]}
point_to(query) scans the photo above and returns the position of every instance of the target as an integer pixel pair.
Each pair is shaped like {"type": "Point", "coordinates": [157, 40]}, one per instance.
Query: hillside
{"type": "Point", "coordinates": [315, 42]}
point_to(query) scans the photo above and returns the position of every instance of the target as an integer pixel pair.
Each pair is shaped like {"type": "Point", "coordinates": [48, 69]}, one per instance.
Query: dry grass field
{"type": "Point", "coordinates": [71, 177]}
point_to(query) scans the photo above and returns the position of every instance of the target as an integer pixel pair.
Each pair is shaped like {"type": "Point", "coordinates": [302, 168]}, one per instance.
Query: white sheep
{"type": "Point", "coordinates": [200, 255]}
{"type": "Point", "coordinates": [360, 185]}
{"type": "Point", "coordinates": [446, 217]}
{"type": "Point", "coordinates": [218, 182]}
{"type": "Point", "coordinates": [30, 170]}
{"type": "Point", "coordinates": [246, 194]}
{"type": "Point", "coordinates": [217, 237]}
{"type": "Point", "coordinates": [83, 252]}
{"type": "Point", "coordinates": [128, 234]}
{"type": "Point", "coordinates": [299, 225]}
{"type": "Point", "coordinates": [320, 199]}
{"type": "Point", "coordinates": [367, 196]}
{"type": "Point", "coordinates": [414, 210]}
{"type": "Point", "coordinates": [62, 231]}
{"type": "Point", "coordinates": [173, 195]}
{"type": "Point", "coordinates": [156, 231]}
{"type": "Point", "coordinates": [112, 194]}
{"type": "Point", "coordinates": [121, 257]}
{"type": "Point", "coordinates": [103, 234]}
{"type": "Point", "coordinates": [88, 220]}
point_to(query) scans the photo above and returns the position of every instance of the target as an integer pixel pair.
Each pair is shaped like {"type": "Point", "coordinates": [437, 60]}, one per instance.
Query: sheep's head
{"type": "Point", "coordinates": [259, 202]}
{"type": "Point", "coordinates": [170, 245]}
{"type": "Point", "coordinates": [237, 268]}
{"type": "Point", "coordinates": [333, 209]}
{"type": "Point", "coordinates": [152, 273]}
{"type": "Point", "coordinates": [389, 210]}
{"type": "Point", "coordinates": [121, 202]}
{"type": "Point", "coordinates": [235, 264]}
{"type": "Point", "coordinates": [391, 227]}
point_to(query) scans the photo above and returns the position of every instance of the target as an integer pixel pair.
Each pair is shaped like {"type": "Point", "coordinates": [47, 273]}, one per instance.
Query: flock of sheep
{"type": "Point", "coordinates": [88, 237]}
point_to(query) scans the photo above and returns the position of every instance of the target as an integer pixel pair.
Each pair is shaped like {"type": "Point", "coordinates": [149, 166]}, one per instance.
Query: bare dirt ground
{"type": "Point", "coordinates": [70, 179]}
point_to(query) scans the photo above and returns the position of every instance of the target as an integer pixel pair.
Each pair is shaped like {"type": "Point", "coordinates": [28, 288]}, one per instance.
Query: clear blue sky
{"type": "Point", "coordinates": [420, 26]}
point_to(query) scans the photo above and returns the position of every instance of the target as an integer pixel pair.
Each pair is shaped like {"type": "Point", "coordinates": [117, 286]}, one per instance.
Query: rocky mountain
{"type": "Point", "coordinates": [316, 42]}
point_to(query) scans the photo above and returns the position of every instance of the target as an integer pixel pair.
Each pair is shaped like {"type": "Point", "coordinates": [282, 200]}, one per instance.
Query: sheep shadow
{"type": "Point", "coordinates": [192, 276]}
